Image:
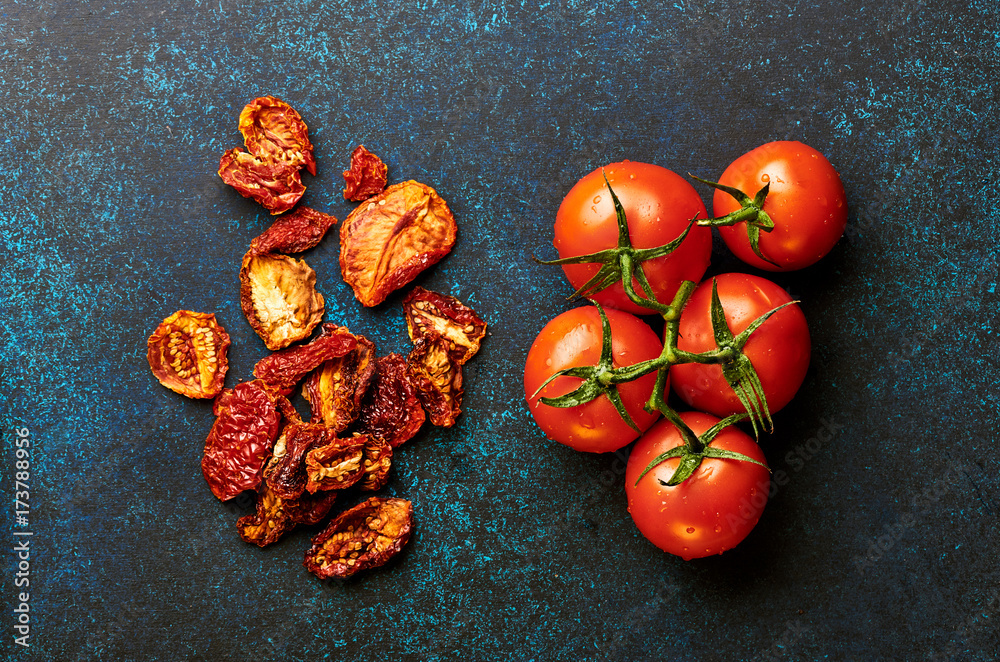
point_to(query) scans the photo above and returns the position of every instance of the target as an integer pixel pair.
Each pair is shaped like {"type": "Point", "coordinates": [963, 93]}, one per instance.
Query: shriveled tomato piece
{"type": "Point", "coordinates": [285, 368]}
{"type": "Point", "coordinates": [297, 231]}
{"type": "Point", "coordinates": [240, 441]}
{"type": "Point", "coordinates": [391, 409]}
{"type": "Point", "coordinates": [274, 184]}
{"type": "Point", "coordinates": [366, 176]}
{"type": "Point", "coordinates": [387, 241]}
{"type": "Point", "coordinates": [276, 516]}
{"type": "Point", "coordinates": [279, 298]}
{"type": "Point", "coordinates": [363, 537]}
{"type": "Point", "coordinates": [335, 389]}
{"type": "Point", "coordinates": [336, 465]}
{"type": "Point", "coordinates": [286, 471]}
{"type": "Point", "coordinates": [273, 129]}
{"type": "Point", "coordinates": [187, 353]}
{"type": "Point", "coordinates": [377, 462]}
{"type": "Point", "coordinates": [437, 380]}
{"type": "Point", "coordinates": [432, 315]}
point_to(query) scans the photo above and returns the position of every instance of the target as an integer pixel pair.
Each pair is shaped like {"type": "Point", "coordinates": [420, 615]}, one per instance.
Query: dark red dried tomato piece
{"type": "Point", "coordinates": [297, 231]}
{"type": "Point", "coordinates": [363, 537]}
{"type": "Point", "coordinates": [285, 368]}
{"type": "Point", "coordinates": [187, 353]}
{"type": "Point", "coordinates": [432, 315]}
{"type": "Point", "coordinates": [366, 176]}
{"type": "Point", "coordinates": [276, 516]}
{"type": "Point", "coordinates": [377, 462]}
{"type": "Point", "coordinates": [309, 508]}
{"type": "Point", "coordinates": [335, 390]}
{"type": "Point", "coordinates": [391, 409]}
{"type": "Point", "coordinates": [437, 380]}
{"type": "Point", "coordinates": [274, 130]}
{"type": "Point", "coordinates": [336, 465]}
{"type": "Point", "coordinates": [279, 298]}
{"type": "Point", "coordinates": [275, 185]}
{"type": "Point", "coordinates": [241, 438]}
{"type": "Point", "coordinates": [387, 241]}
{"type": "Point", "coordinates": [286, 471]}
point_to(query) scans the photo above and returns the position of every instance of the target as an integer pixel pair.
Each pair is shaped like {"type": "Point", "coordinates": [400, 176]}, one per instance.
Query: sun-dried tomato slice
{"type": "Point", "coordinates": [366, 176]}
{"type": "Point", "coordinates": [274, 130]}
{"type": "Point", "coordinates": [286, 471]}
{"type": "Point", "coordinates": [279, 298]}
{"type": "Point", "coordinates": [437, 380]}
{"type": "Point", "coordinates": [240, 441]}
{"type": "Point", "coordinates": [187, 353]}
{"type": "Point", "coordinates": [297, 231]}
{"type": "Point", "coordinates": [336, 465]}
{"type": "Point", "coordinates": [363, 537]}
{"type": "Point", "coordinates": [335, 389]}
{"type": "Point", "coordinates": [285, 368]}
{"type": "Point", "coordinates": [387, 241]}
{"type": "Point", "coordinates": [432, 315]}
{"type": "Point", "coordinates": [377, 462]}
{"type": "Point", "coordinates": [276, 516]}
{"type": "Point", "coordinates": [391, 409]}
{"type": "Point", "coordinates": [275, 185]}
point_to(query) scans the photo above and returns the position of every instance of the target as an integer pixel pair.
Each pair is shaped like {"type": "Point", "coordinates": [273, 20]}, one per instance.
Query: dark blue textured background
{"type": "Point", "coordinates": [883, 542]}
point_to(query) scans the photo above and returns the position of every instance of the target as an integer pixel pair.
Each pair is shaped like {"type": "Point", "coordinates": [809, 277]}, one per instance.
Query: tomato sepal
{"type": "Point", "coordinates": [751, 211]}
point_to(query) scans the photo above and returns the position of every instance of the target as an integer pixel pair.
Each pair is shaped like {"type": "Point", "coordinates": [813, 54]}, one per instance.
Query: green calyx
{"type": "Point", "coordinates": [751, 212]}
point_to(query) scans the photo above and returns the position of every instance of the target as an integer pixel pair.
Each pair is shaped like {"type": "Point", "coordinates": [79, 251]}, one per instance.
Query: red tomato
{"type": "Point", "coordinates": [806, 201]}
{"type": "Point", "coordinates": [574, 339]}
{"type": "Point", "coordinates": [658, 205]}
{"type": "Point", "coordinates": [779, 349]}
{"type": "Point", "coordinates": [710, 512]}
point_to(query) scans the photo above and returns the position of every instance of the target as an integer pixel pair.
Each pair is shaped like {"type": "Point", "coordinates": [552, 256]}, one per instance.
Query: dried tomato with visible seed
{"type": "Point", "coordinates": [275, 516]}
{"type": "Point", "coordinates": [187, 353]}
{"type": "Point", "coordinates": [274, 130]}
{"type": "Point", "coordinates": [437, 380]}
{"type": "Point", "coordinates": [391, 409]}
{"type": "Point", "coordinates": [286, 471]}
{"type": "Point", "coordinates": [275, 185]}
{"type": "Point", "coordinates": [336, 465]}
{"type": "Point", "coordinates": [279, 298]}
{"type": "Point", "coordinates": [377, 462]}
{"type": "Point", "coordinates": [286, 368]}
{"type": "Point", "coordinates": [335, 389]}
{"type": "Point", "coordinates": [366, 176]}
{"type": "Point", "coordinates": [297, 231]}
{"type": "Point", "coordinates": [363, 537]}
{"type": "Point", "coordinates": [387, 241]}
{"type": "Point", "coordinates": [240, 441]}
{"type": "Point", "coordinates": [432, 315]}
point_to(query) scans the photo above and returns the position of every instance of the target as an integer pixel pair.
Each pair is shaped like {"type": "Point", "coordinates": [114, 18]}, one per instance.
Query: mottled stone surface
{"type": "Point", "coordinates": [113, 217]}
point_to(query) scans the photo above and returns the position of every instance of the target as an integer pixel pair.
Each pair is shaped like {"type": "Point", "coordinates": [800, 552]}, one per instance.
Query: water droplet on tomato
{"type": "Point", "coordinates": [548, 363]}
{"type": "Point", "coordinates": [631, 176]}
{"type": "Point", "coordinates": [765, 178]}
{"type": "Point", "coordinates": [718, 529]}
{"type": "Point", "coordinates": [597, 199]}
{"type": "Point", "coordinates": [690, 529]}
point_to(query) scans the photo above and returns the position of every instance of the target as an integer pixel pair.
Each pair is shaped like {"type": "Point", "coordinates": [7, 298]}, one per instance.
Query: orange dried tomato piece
{"type": "Point", "coordinates": [187, 353]}
{"type": "Point", "coordinates": [432, 315]}
{"type": "Point", "coordinates": [366, 176]}
{"type": "Point", "coordinates": [336, 465]}
{"type": "Point", "coordinates": [363, 537]}
{"type": "Point", "coordinates": [279, 298]}
{"type": "Point", "coordinates": [386, 242]}
{"type": "Point", "coordinates": [391, 409]}
{"type": "Point", "coordinates": [274, 184]}
{"type": "Point", "coordinates": [286, 368]}
{"type": "Point", "coordinates": [437, 380]}
{"type": "Point", "coordinates": [335, 389]}
{"type": "Point", "coordinates": [274, 130]}
{"type": "Point", "coordinates": [275, 516]}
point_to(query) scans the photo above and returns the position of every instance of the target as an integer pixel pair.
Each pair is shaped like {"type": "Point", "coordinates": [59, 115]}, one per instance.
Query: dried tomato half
{"type": "Point", "coordinates": [432, 315]}
{"type": "Point", "coordinates": [336, 465]}
{"type": "Point", "coordinates": [366, 176]}
{"type": "Point", "coordinates": [279, 298]}
{"type": "Point", "coordinates": [377, 462]}
{"type": "Point", "coordinates": [286, 368]}
{"type": "Point", "coordinates": [391, 409]}
{"type": "Point", "coordinates": [276, 516]}
{"type": "Point", "coordinates": [387, 241]}
{"type": "Point", "coordinates": [274, 130]}
{"type": "Point", "coordinates": [240, 441]}
{"type": "Point", "coordinates": [335, 390]}
{"type": "Point", "coordinates": [363, 537]}
{"type": "Point", "coordinates": [187, 353]}
{"type": "Point", "coordinates": [437, 379]}
{"type": "Point", "coordinates": [297, 231]}
{"type": "Point", "coordinates": [286, 471]}
{"type": "Point", "coordinates": [275, 185]}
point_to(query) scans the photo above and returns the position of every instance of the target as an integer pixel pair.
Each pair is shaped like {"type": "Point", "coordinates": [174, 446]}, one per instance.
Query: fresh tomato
{"type": "Point", "coordinates": [710, 512]}
{"type": "Point", "coordinates": [806, 202]}
{"type": "Point", "coordinates": [658, 205]}
{"type": "Point", "coordinates": [574, 339]}
{"type": "Point", "coordinates": [779, 349]}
